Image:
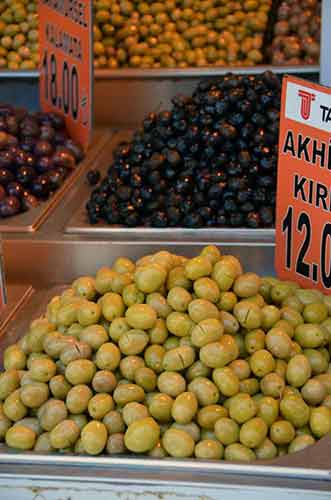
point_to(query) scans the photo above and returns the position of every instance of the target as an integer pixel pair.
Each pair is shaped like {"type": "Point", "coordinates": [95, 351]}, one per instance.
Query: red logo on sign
{"type": "Point", "coordinates": [306, 100]}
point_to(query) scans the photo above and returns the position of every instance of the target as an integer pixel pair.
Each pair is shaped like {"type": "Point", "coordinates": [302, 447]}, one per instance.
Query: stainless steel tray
{"type": "Point", "coordinates": [17, 295]}
{"type": "Point", "coordinates": [312, 465]}
{"type": "Point", "coordinates": [31, 220]}
{"type": "Point", "coordinates": [78, 223]}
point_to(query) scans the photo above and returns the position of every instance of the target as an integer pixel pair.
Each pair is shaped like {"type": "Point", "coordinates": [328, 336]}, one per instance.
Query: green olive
{"type": "Point", "coordinates": [177, 277]}
{"type": "Point", "coordinates": [141, 316]}
{"type": "Point", "coordinates": [64, 434]}
{"type": "Point", "coordinates": [298, 370]}
{"type": "Point", "coordinates": [266, 451]}
{"type": "Point", "coordinates": [179, 299]}
{"type": "Point", "coordinates": [178, 443]}
{"type": "Point", "coordinates": [300, 443]}
{"type": "Point", "coordinates": [42, 370]}
{"type": "Point", "coordinates": [282, 432]}
{"type": "Point", "coordinates": [270, 316]}
{"type": "Point", "coordinates": [160, 407]}
{"type": "Point", "coordinates": [150, 278]}
{"type": "Point", "coordinates": [320, 421]}
{"type": "Point", "coordinates": [125, 393]}
{"type": "Point", "coordinates": [313, 392]}
{"type": "Point", "coordinates": [85, 287]}
{"type": "Point", "coordinates": [20, 437]}
{"type": "Point", "coordinates": [255, 340]}
{"type": "Point", "coordinates": [315, 313]}
{"type": "Point", "coordinates": [248, 314]}
{"type": "Point", "coordinates": [43, 443]}
{"type": "Point", "coordinates": [142, 435]}
{"type": "Point", "coordinates": [205, 390]}
{"type": "Point", "coordinates": [159, 333]}
{"type": "Point", "coordinates": [239, 453]}
{"type": "Point", "coordinates": [99, 405]}
{"type": "Point", "coordinates": [209, 449]}
{"type": "Point", "coordinates": [206, 288]}
{"type": "Point", "coordinates": [198, 267]}
{"type": "Point", "coordinates": [94, 336]}
{"type": "Point", "coordinates": [218, 354]}
{"type": "Point", "coordinates": [159, 304]}
{"type": "Point", "coordinates": [226, 380]}
{"type": "Point", "coordinates": [253, 432]}
{"type": "Point", "coordinates": [179, 324]}
{"type": "Point", "coordinates": [115, 444]}
{"type": "Point", "coordinates": [34, 395]}
{"type": "Point", "coordinates": [9, 382]}
{"type": "Point", "coordinates": [198, 369]}
{"type": "Point", "coordinates": [184, 408]}
{"type": "Point", "coordinates": [134, 411]}
{"type": "Point", "coordinates": [14, 358]}
{"type": "Point", "coordinates": [241, 368]}
{"type": "Point", "coordinates": [80, 371]}
{"type": "Point", "coordinates": [78, 398]}
{"type": "Point", "coordinates": [171, 383]}
{"type": "Point", "coordinates": [309, 336]}
{"type": "Point", "coordinates": [227, 430]}
{"type": "Point", "coordinates": [227, 301]}
{"type": "Point", "coordinates": [242, 408]}
{"type": "Point", "coordinates": [178, 359]}
{"type": "Point", "coordinates": [94, 437]}
{"type": "Point", "coordinates": [114, 422]}
{"type": "Point", "coordinates": [272, 385]}
{"type": "Point", "coordinates": [207, 331]}
{"type": "Point", "coordinates": [262, 363]}
{"type": "Point", "coordinates": [51, 413]}
{"type": "Point", "coordinates": [13, 407]}
{"type": "Point", "coordinates": [201, 309]}
{"type": "Point", "coordinates": [247, 285]}
{"type": "Point", "coordinates": [132, 342]}
{"type": "Point", "coordinates": [278, 343]}
{"type": "Point", "coordinates": [295, 410]}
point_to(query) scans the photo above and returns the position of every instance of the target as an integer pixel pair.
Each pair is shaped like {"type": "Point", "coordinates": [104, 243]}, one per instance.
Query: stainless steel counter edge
{"type": "Point", "coordinates": [209, 71]}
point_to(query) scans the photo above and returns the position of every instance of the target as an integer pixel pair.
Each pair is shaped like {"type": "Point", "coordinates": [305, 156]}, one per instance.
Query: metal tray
{"type": "Point", "coordinates": [17, 295]}
{"type": "Point", "coordinates": [78, 223]}
{"type": "Point", "coordinates": [310, 468]}
{"type": "Point", "coordinates": [31, 220]}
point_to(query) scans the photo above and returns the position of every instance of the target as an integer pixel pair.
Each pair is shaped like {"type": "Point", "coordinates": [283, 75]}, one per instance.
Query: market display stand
{"type": "Point", "coordinates": [64, 247]}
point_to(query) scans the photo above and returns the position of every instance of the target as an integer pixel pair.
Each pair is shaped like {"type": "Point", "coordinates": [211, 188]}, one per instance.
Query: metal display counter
{"type": "Point", "coordinates": [64, 247]}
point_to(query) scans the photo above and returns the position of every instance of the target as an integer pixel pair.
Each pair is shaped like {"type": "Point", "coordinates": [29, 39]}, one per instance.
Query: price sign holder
{"type": "Point", "coordinates": [66, 67]}
{"type": "Point", "coordinates": [303, 219]}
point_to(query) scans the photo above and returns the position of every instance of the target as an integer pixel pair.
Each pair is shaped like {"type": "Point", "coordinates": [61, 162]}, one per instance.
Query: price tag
{"type": "Point", "coordinates": [66, 67]}
{"type": "Point", "coordinates": [303, 219]}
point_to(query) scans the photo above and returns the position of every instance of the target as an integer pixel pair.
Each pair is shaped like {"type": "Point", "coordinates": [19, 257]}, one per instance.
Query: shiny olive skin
{"type": "Point", "coordinates": [142, 435]}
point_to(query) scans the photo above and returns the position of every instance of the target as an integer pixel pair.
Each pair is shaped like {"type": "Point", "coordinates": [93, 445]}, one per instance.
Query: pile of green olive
{"type": "Point", "coordinates": [170, 356]}
{"type": "Point", "coordinates": [19, 34]}
{"type": "Point", "coordinates": [179, 33]}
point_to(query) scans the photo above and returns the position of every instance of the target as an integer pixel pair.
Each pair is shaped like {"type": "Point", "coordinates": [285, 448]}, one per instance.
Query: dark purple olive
{"type": "Point", "coordinates": [93, 177]}
{"type": "Point", "coordinates": [64, 158]}
{"type": "Point", "coordinates": [45, 164]}
{"type": "Point", "coordinates": [56, 178]}
{"type": "Point", "coordinates": [12, 124]}
{"type": "Point", "coordinates": [29, 201]}
{"type": "Point", "coordinates": [25, 174]}
{"type": "Point", "coordinates": [6, 159]}
{"type": "Point", "coordinates": [21, 157]}
{"type": "Point", "coordinates": [29, 127]}
{"type": "Point", "coordinates": [12, 140]}
{"type": "Point", "coordinates": [2, 193]}
{"type": "Point", "coordinates": [57, 120]}
{"type": "Point", "coordinates": [28, 144]}
{"type": "Point", "coordinates": [60, 137]}
{"type": "Point", "coordinates": [9, 206]}
{"type": "Point", "coordinates": [40, 186]}
{"type": "Point", "coordinates": [75, 149]}
{"type": "Point", "coordinates": [43, 148]}
{"type": "Point", "coordinates": [15, 189]}
{"type": "Point", "coordinates": [47, 132]}
{"type": "Point", "coordinates": [6, 176]}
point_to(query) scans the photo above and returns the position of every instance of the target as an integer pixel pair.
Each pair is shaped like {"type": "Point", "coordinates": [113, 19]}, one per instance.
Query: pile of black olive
{"type": "Point", "coordinates": [36, 155]}
{"type": "Point", "coordinates": [209, 162]}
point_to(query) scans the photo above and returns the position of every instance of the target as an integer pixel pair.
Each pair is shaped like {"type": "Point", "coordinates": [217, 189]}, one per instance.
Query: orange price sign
{"type": "Point", "coordinates": [303, 218]}
{"type": "Point", "coordinates": [66, 63]}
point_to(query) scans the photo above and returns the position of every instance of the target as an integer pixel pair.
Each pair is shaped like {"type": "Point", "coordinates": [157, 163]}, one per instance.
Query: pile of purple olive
{"type": "Point", "coordinates": [208, 162]}
{"type": "Point", "coordinates": [36, 155]}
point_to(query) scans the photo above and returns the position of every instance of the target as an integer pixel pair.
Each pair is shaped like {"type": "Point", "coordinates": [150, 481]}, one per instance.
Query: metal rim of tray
{"type": "Point", "coordinates": [208, 71]}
